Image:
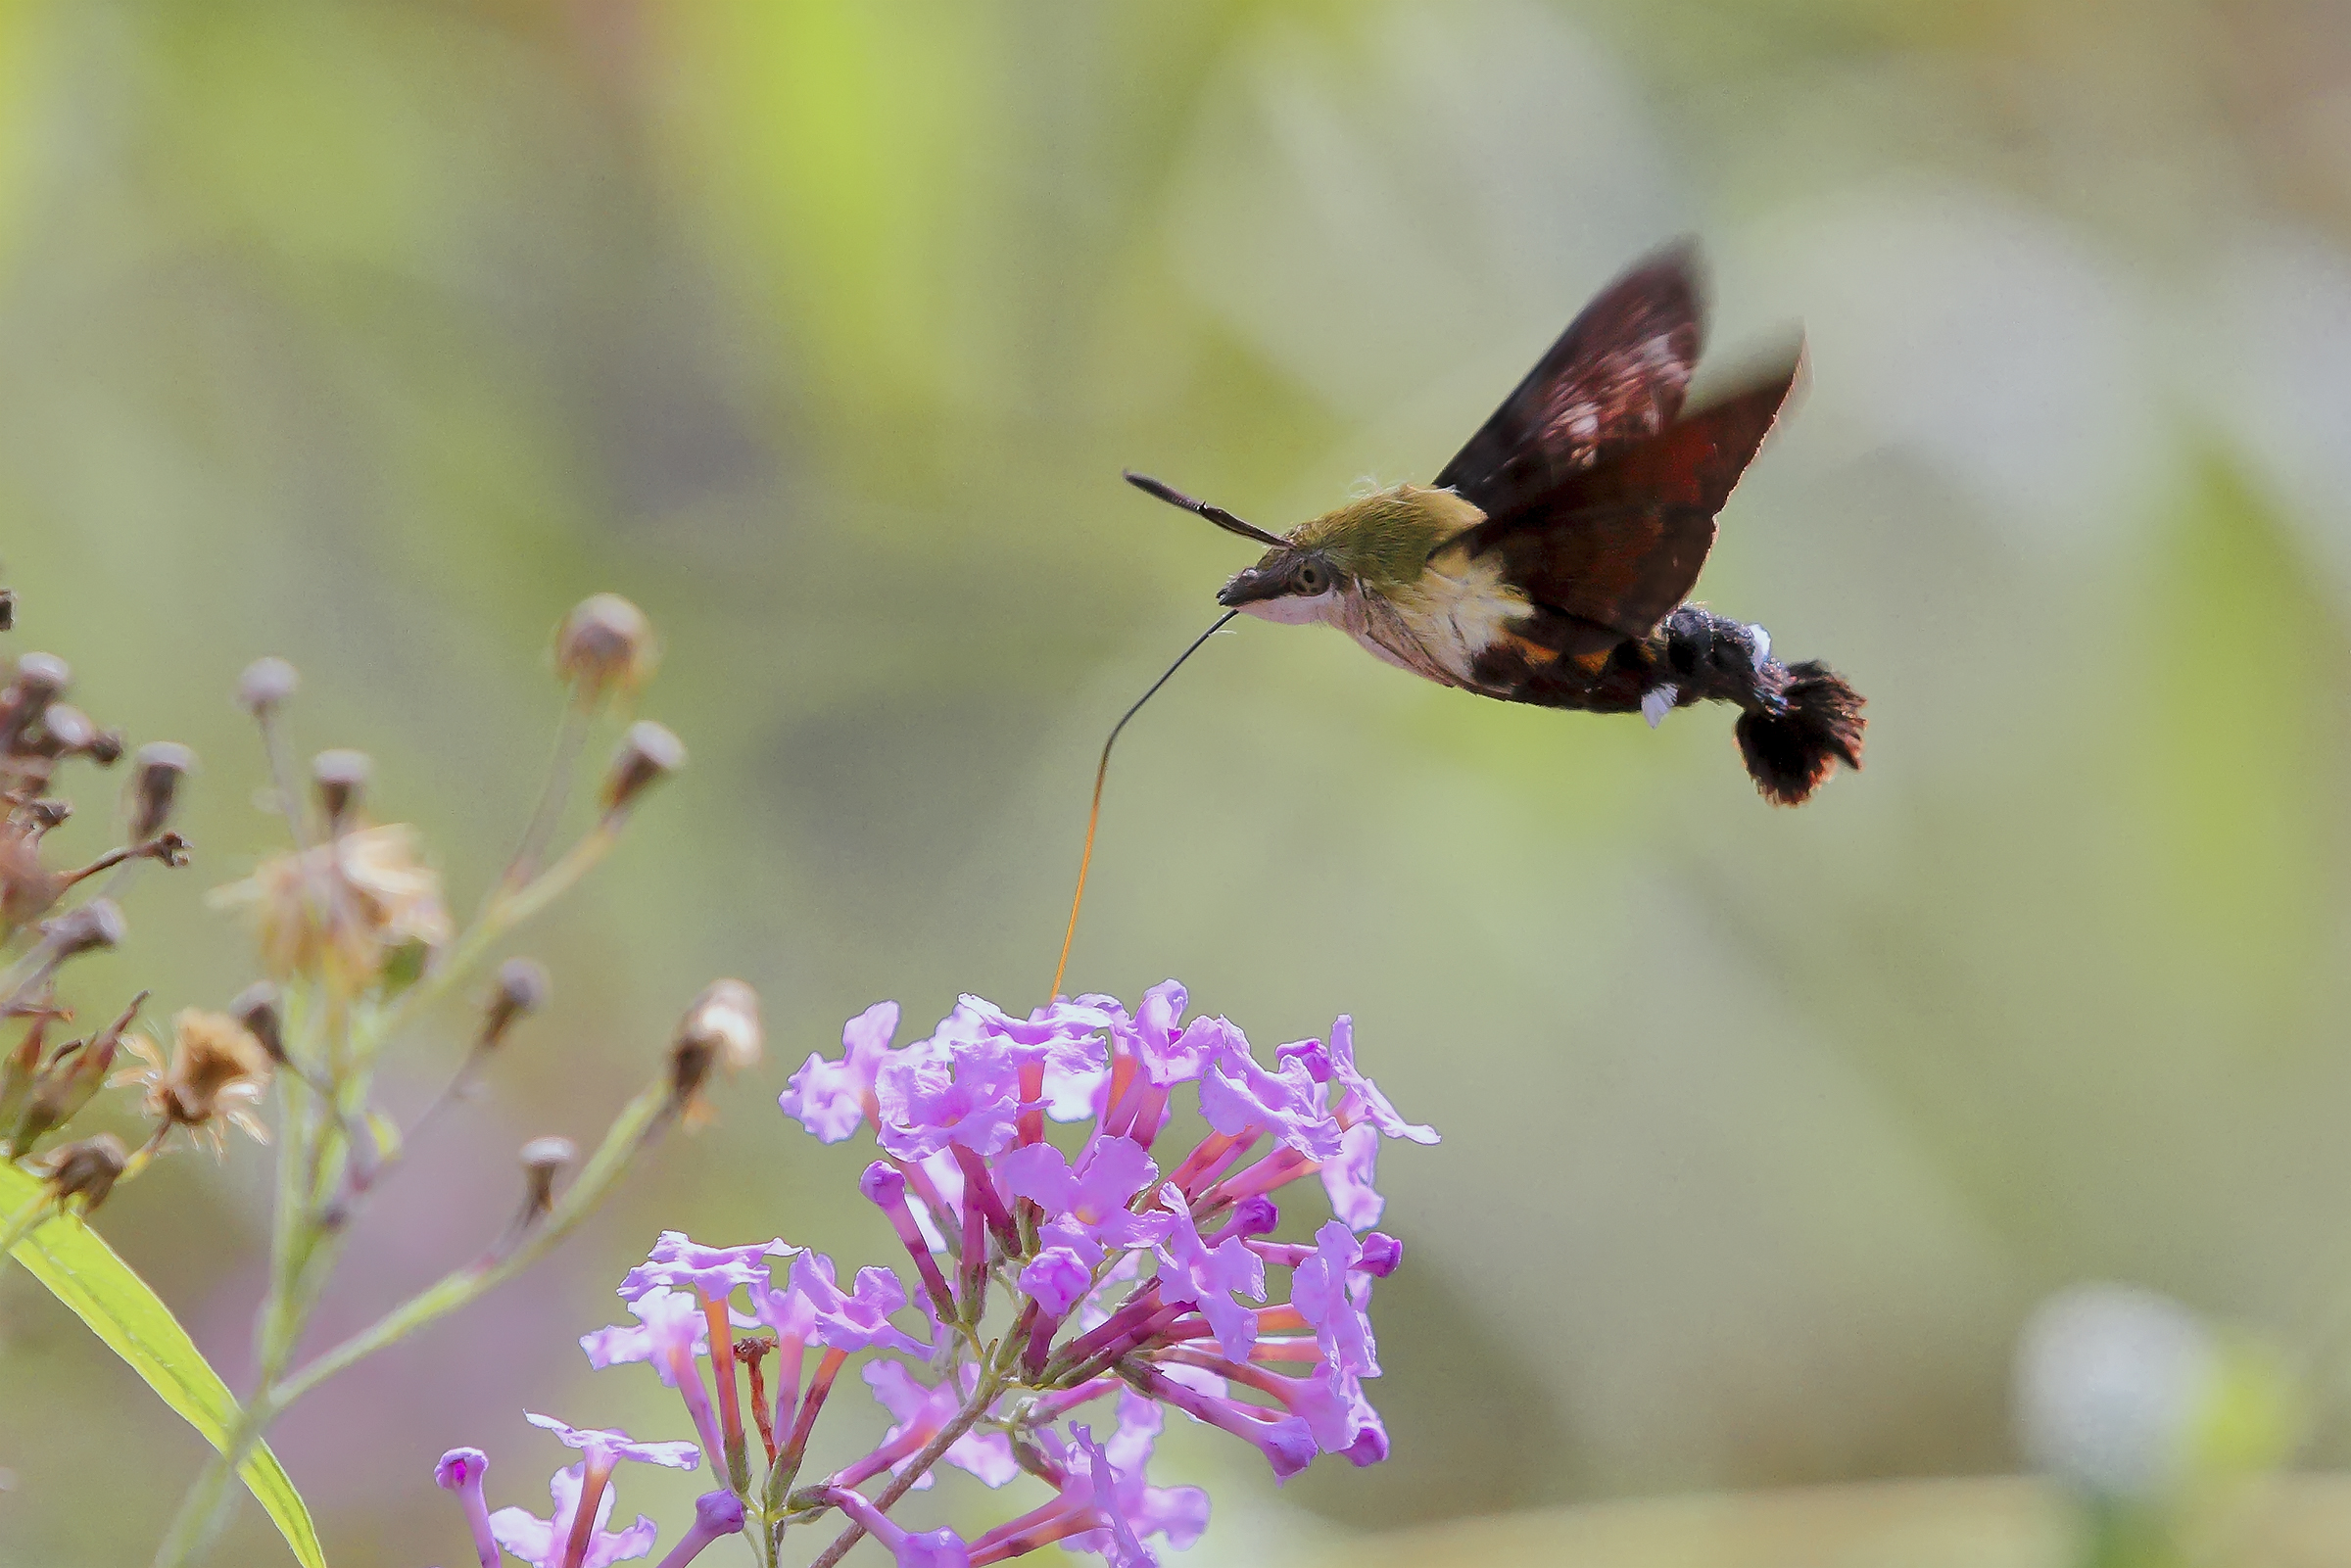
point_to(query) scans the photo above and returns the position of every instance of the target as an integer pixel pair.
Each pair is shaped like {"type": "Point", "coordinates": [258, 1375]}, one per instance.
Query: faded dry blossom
{"type": "Point", "coordinates": [218, 1071]}
{"type": "Point", "coordinates": [86, 1170]}
{"type": "Point", "coordinates": [720, 1030]}
{"type": "Point", "coordinates": [342, 908]}
{"type": "Point", "coordinates": [606, 645]}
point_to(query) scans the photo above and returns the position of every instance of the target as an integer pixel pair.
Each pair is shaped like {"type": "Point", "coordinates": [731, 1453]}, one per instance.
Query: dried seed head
{"type": "Point", "coordinates": [40, 678]}
{"type": "Point", "coordinates": [48, 813]}
{"type": "Point", "coordinates": [216, 1073]}
{"type": "Point", "coordinates": [341, 777]}
{"type": "Point", "coordinates": [65, 728]}
{"type": "Point", "coordinates": [169, 849]}
{"type": "Point", "coordinates": [256, 1007]}
{"type": "Point", "coordinates": [606, 645]}
{"type": "Point", "coordinates": [543, 1161]}
{"type": "Point", "coordinates": [648, 754]}
{"type": "Point", "coordinates": [729, 1012]}
{"type": "Point", "coordinates": [346, 905]}
{"type": "Point", "coordinates": [26, 887]}
{"type": "Point", "coordinates": [721, 1029]}
{"type": "Point", "coordinates": [265, 685]}
{"type": "Point", "coordinates": [106, 749]}
{"type": "Point", "coordinates": [7, 609]}
{"type": "Point", "coordinates": [72, 1077]}
{"type": "Point", "coordinates": [548, 1153]}
{"type": "Point", "coordinates": [522, 988]}
{"type": "Point", "coordinates": [155, 787]}
{"type": "Point", "coordinates": [88, 1170]}
{"type": "Point", "coordinates": [87, 928]}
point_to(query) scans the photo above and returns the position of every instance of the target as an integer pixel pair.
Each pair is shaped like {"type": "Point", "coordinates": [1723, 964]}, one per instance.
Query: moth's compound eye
{"type": "Point", "coordinates": [1313, 577]}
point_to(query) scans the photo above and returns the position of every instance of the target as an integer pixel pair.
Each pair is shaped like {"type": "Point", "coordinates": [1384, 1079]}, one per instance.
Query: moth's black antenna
{"type": "Point", "coordinates": [1094, 817]}
{"type": "Point", "coordinates": [1214, 514]}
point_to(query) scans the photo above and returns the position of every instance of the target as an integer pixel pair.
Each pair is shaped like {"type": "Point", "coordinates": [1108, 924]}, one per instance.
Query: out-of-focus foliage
{"type": "Point", "coordinates": [375, 334]}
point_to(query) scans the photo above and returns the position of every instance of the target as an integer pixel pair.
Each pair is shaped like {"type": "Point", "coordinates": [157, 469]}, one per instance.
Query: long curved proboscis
{"type": "Point", "coordinates": [1214, 514]}
{"type": "Point", "coordinates": [1093, 816]}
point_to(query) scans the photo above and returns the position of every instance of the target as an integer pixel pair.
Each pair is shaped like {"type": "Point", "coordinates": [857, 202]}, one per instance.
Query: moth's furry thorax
{"type": "Point", "coordinates": [1383, 541]}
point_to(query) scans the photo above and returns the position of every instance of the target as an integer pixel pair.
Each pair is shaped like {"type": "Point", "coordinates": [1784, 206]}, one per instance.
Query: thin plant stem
{"type": "Point", "coordinates": [571, 736]}
{"type": "Point", "coordinates": [24, 1222]}
{"type": "Point", "coordinates": [636, 1126]}
{"type": "Point", "coordinates": [991, 1383]}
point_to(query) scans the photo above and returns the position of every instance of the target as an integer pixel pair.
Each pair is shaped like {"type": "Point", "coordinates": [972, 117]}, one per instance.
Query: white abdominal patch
{"type": "Point", "coordinates": [1762, 644]}
{"type": "Point", "coordinates": [1657, 702]}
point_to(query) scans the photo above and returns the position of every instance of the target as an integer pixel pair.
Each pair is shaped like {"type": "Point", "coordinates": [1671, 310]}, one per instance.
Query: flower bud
{"type": "Point", "coordinates": [256, 1007]}
{"type": "Point", "coordinates": [88, 1170]}
{"type": "Point", "coordinates": [73, 1079]}
{"type": "Point", "coordinates": [106, 749]}
{"type": "Point", "coordinates": [95, 924]}
{"type": "Point", "coordinates": [522, 988]}
{"type": "Point", "coordinates": [882, 1183]}
{"type": "Point", "coordinates": [341, 778]}
{"type": "Point", "coordinates": [648, 754]}
{"type": "Point", "coordinates": [155, 787]}
{"type": "Point", "coordinates": [1382, 1254]}
{"type": "Point", "coordinates": [605, 645]}
{"type": "Point", "coordinates": [264, 686]}
{"type": "Point", "coordinates": [460, 1468]}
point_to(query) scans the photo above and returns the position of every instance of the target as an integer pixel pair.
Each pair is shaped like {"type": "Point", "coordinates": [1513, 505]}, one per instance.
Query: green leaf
{"type": "Point", "coordinates": [83, 1272]}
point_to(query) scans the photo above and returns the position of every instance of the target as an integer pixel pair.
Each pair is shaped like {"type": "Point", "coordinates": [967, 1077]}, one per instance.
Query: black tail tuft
{"type": "Point", "coordinates": [1791, 753]}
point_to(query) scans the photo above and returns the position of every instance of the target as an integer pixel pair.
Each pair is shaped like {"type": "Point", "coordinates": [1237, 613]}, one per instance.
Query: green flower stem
{"type": "Point", "coordinates": [633, 1131]}
{"type": "Point", "coordinates": [203, 1513]}
{"type": "Point", "coordinates": [24, 1222]}
{"type": "Point", "coordinates": [570, 737]}
{"type": "Point", "coordinates": [501, 914]}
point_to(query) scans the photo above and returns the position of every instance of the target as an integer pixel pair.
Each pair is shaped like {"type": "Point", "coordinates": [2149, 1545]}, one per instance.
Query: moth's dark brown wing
{"type": "Point", "coordinates": [1620, 543]}
{"type": "Point", "coordinates": [1696, 461]}
{"type": "Point", "coordinates": [1621, 566]}
{"type": "Point", "coordinates": [1616, 374]}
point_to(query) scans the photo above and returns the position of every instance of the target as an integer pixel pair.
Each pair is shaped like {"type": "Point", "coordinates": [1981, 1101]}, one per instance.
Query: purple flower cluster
{"type": "Point", "coordinates": [1114, 1276]}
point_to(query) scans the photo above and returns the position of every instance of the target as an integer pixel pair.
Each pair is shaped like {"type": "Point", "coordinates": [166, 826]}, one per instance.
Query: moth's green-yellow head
{"type": "Point", "coordinates": [1377, 544]}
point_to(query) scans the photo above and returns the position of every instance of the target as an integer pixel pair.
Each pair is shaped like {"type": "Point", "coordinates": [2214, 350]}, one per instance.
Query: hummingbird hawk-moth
{"type": "Point", "coordinates": [1551, 560]}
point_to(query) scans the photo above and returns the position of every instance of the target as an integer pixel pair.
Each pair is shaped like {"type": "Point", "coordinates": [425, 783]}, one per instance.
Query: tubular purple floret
{"type": "Point", "coordinates": [980, 1192]}
{"type": "Point", "coordinates": [1054, 1405]}
{"type": "Point", "coordinates": [1276, 1169]}
{"type": "Point", "coordinates": [885, 1187]}
{"type": "Point", "coordinates": [1253, 1216]}
{"type": "Point", "coordinates": [1135, 1310]}
{"type": "Point", "coordinates": [1284, 1441]}
{"type": "Point", "coordinates": [1215, 1154]}
{"type": "Point", "coordinates": [716, 1514]}
{"type": "Point", "coordinates": [460, 1471]}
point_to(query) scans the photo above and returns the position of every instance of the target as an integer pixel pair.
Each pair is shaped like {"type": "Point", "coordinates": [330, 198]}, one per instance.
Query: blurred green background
{"type": "Point", "coordinates": [375, 335]}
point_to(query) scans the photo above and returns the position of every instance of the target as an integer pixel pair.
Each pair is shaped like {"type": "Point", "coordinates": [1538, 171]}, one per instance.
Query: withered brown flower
{"type": "Point", "coordinates": [721, 1029]}
{"type": "Point", "coordinates": [216, 1073]}
{"type": "Point", "coordinates": [342, 909]}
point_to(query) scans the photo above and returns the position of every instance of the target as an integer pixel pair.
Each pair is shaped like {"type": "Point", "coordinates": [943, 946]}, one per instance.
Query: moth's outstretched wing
{"type": "Point", "coordinates": [1616, 374]}
{"type": "Point", "coordinates": [1620, 542]}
